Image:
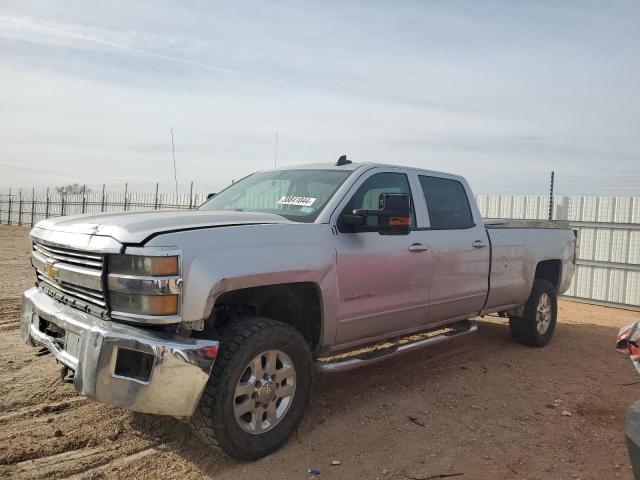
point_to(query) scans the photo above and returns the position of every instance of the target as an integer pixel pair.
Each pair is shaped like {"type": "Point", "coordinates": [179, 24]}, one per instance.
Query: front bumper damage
{"type": "Point", "coordinates": [133, 368]}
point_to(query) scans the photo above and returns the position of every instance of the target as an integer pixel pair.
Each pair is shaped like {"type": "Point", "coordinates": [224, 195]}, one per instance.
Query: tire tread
{"type": "Point", "coordinates": [234, 337]}
{"type": "Point", "coordinates": [523, 329]}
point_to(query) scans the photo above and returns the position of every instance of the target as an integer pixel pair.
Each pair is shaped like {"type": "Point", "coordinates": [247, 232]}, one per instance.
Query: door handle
{"type": "Point", "coordinates": [479, 244]}
{"type": "Point", "coordinates": [418, 247]}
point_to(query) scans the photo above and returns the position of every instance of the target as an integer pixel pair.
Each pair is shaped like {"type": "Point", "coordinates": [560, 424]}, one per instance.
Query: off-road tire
{"type": "Point", "coordinates": [524, 329]}
{"type": "Point", "coordinates": [214, 421]}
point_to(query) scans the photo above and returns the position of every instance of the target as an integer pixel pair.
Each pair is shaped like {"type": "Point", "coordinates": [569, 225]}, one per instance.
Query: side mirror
{"type": "Point", "coordinates": [392, 218]}
{"type": "Point", "coordinates": [210, 195]}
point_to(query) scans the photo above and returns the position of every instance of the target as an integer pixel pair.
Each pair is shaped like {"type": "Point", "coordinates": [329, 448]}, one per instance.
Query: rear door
{"type": "Point", "coordinates": [459, 246]}
{"type": "Point", "coordinates": [382, 279]}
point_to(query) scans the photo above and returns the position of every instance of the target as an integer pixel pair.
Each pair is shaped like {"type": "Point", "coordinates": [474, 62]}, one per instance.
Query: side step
{"type": "Point", "coordinates": [428, 339]}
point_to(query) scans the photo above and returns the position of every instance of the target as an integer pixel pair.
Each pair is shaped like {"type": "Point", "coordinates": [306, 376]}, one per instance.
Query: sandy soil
{"type": "Point", "coordinates": [480, 407]}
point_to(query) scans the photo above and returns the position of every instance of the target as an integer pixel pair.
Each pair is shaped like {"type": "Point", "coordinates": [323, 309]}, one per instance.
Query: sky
{"type": "Point", "coordinates": [502, 92]}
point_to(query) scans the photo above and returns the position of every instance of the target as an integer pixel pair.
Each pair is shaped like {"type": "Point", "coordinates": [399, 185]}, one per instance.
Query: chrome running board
{"type": "Point", "coordinates": [349, 362]}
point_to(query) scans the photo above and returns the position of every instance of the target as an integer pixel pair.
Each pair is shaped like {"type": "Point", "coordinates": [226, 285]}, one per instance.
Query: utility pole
{"type": "Point", "coordinates": [175, 172]}
{"type": "Point", "coordinates": [551, 197]}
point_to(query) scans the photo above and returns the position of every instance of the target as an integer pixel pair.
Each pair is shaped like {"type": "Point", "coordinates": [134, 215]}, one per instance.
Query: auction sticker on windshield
{"type": "Point", "coordinates": [298, 201]}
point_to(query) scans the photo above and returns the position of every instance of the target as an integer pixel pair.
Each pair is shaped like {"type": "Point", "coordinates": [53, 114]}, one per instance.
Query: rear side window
{"type": "Point", "coordinates": [447, 203]}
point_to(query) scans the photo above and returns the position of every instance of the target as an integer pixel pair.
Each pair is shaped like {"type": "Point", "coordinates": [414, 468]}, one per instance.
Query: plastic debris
{"type": "Point", "coordinates": [627, 342]}
{"type": "Point", "coordinates": [566, 413]}
{"type": "Point", "coordinates": [314, 472]}
{"type": "Point", "coordinates": [335, 462]}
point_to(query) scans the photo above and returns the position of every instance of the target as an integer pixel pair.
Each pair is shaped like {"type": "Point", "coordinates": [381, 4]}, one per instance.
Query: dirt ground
{"type": "Point", "coordinates": [481, 407]}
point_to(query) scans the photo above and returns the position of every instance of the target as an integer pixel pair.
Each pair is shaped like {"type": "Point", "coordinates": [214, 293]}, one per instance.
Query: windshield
{"type": "Point", "coordinates": [297, 195]}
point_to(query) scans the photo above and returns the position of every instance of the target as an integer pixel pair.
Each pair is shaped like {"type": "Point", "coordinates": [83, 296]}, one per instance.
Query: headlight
{"type": "Point", "coordinates": [145, 288]}
{"type": "Point", "coordinates": [145, 266]}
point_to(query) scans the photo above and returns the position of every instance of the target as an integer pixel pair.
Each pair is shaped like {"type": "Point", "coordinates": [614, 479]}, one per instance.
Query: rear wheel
{"type": "Point", "coordinates": [258, 389]}
{"type": "Point", "coordinates": [535, 328]}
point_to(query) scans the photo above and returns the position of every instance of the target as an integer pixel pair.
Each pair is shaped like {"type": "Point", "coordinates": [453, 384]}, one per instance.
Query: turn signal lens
{"type": "Point", "coordinates": [164, 266]}
{"type": "Point", "coordinates": [144, 304]}
{"type": "Point", "coordinates": [400, 221]}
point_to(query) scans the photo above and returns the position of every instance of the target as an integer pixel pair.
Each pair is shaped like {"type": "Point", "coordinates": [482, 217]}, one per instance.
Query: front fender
{"type": "Point", "coordinates": [219, 260]}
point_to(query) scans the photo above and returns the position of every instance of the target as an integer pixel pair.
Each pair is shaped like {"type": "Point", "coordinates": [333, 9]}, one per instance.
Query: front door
{"type": "Point", "coordinates": [382, 279]}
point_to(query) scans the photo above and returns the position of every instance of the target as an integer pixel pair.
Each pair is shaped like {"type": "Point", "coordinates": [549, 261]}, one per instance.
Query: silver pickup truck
{"type": "Point", "coordinates": [219, 315]}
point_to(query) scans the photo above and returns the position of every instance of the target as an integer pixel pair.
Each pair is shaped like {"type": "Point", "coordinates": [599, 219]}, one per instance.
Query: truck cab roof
{"type": "Point", "coordinates": [357, 166]}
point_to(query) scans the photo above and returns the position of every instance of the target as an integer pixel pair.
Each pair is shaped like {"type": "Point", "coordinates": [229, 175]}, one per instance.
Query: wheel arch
{"type": "Point", "coordinates": [298, 304]}
{"type": "Point", "coordinates": [549, 270]}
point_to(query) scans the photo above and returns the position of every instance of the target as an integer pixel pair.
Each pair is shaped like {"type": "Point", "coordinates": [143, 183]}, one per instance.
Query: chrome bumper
{"type": "Point", "coordinates": [96, 349]}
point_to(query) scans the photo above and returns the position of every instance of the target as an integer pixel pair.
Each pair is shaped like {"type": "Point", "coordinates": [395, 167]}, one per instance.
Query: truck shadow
{"type": "Point", "coordinates": [469, 372]}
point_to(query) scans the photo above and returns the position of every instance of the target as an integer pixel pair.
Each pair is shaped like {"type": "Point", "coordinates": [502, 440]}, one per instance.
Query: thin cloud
{"type": "Point", "coordinates": [148, 53]}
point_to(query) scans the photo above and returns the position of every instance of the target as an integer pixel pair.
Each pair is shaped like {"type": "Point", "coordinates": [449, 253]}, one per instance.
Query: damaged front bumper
{"type": "Point", "coordinates": [131, 367]}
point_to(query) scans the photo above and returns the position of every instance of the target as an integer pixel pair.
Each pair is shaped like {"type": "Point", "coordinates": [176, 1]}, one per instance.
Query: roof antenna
{"type": "Point", "coordinates": [342, 161]}
{"type": "Point", "coordinates": [275, 157]}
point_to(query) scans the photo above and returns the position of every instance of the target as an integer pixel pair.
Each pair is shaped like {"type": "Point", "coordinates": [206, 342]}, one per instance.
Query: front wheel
{"type": "Point", "coordinates": [535, 328]}
{"type": "Point", "coordinates": [258, 389]}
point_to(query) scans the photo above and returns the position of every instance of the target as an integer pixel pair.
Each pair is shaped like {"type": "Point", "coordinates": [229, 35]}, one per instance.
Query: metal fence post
{"type": "Point", "coordinates": [156, 200]}
{"type": "Point", "coordinates": [551, 198]}
{"type": "Point", "coordinates": [33, 204]}
{"type": "Point", "coordinates": [20, 207]}
{"type": "Point", "coordinates": [102, 200]}
{"type": "Point", "coordinates": [84, 198]}
{"type": "Point", "coordinates": [46, 211]}
{"type": "Point", "coordinates": [126, 188]}
{"type": "Point", "coordinates": [2, 205]}
{"type": "Point", "coordinates": [191, 195]}
{"type": "Point", "coordinates": [62, 205]}
{"type": "Point", "coordinates": [9, 211]}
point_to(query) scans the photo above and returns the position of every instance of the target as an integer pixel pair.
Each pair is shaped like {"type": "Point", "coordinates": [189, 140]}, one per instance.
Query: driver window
{"type": "Point", "coordinates": [368, 195]}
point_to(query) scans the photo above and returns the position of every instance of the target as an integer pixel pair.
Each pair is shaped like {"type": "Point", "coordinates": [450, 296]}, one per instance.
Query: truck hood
{"type": "Point", "coordinates": [136, 227]}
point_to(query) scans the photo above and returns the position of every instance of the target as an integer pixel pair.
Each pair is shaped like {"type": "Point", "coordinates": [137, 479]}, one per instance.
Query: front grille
{"type": "Point", "coordinates": [73, 257]}
{"type": "Point", "coordinates": [72, 276]}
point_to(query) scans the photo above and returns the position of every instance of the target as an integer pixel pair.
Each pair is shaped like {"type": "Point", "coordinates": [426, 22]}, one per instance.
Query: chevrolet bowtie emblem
{"type": "Point", "coordinates": [51, 271]}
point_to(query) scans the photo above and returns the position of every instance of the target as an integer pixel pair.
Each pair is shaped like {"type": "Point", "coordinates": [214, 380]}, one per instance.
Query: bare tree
{"type": "Point", "coordinates": [72, 189]}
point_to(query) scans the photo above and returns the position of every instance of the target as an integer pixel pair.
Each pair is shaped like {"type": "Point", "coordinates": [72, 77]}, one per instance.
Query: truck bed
{"type": "Point", "coordinates": [517, 246]}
